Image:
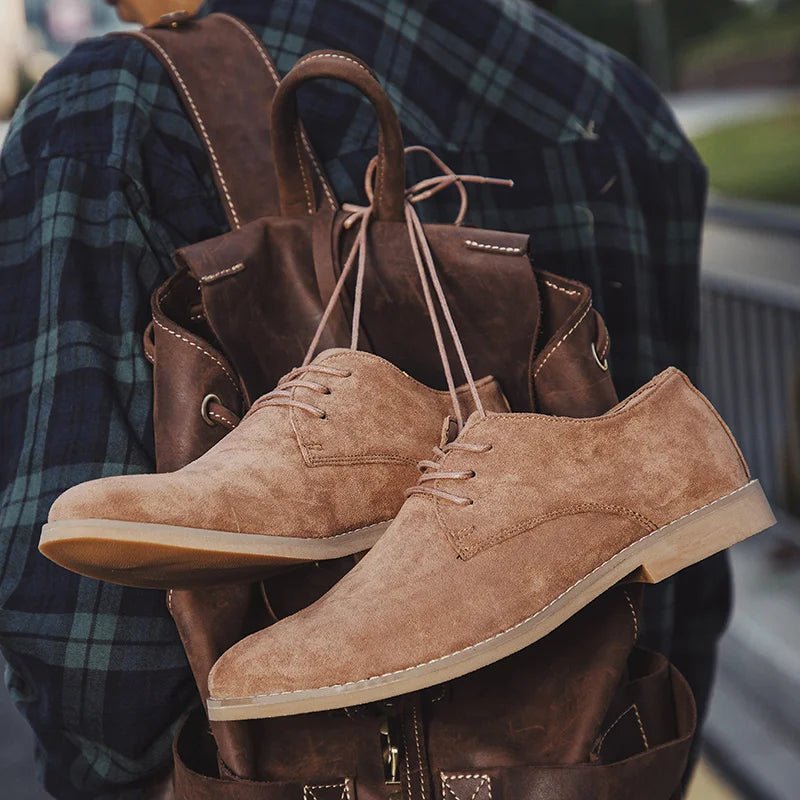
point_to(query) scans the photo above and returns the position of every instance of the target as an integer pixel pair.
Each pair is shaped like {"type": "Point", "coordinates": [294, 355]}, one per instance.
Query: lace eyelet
{"type": "Point", "coordinates": [472, 474]}
{"type": "Point", "coordinates": [323, 415]}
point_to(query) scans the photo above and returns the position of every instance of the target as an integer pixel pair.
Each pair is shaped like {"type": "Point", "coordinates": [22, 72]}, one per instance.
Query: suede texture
{"type": "Point", "coordinates": [285, 472]}
{"type": "Point", "coordinates": [553, 499]}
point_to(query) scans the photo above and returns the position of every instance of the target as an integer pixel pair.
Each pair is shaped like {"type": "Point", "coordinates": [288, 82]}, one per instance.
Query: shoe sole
{"type": "Point", "coordinates": [151, 556]}
{"type": "Point", "coordinates": [651, 559]}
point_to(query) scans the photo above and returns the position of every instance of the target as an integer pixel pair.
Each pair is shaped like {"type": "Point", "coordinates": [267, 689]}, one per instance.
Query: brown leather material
{"type": "Point", "coordinates": [181, 432]}
{"type": "Point", "coordinates": [231, 316]}
{"type": "Point", "coordinates": [291, 164]}
{"type": "Point", "coordinates": [521, 743]}
{"type": "Point", "coordinates": [229, 50]}
{"type": "Point", "coordinates": [569, 375]}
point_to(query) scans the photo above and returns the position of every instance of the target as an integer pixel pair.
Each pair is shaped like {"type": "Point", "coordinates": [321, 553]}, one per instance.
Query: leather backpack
{"type": "Point", "coordinates": [583, 713]}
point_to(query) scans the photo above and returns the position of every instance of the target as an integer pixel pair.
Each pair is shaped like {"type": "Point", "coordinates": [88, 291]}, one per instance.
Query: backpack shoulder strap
{"type": "Point", "coordinates": [226, 80]}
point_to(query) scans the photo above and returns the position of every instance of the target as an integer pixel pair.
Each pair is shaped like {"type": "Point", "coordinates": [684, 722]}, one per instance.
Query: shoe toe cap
{"type": "Point", "coordinates": [127, 497]}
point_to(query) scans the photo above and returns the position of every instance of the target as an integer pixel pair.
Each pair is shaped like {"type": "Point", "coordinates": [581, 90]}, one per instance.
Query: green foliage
{"type": "Point", "coordinates": [750, 36]}
{"type": "Point", "coordinates": [615, 22]}
{"type": "Point", "coordinates": [759, 160]}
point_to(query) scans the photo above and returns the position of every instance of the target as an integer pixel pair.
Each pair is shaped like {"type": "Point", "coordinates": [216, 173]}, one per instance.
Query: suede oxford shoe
{"type": "Point", "coordinates": [512, 528]}
{"type": "Point", "coordinates": [316, 470]}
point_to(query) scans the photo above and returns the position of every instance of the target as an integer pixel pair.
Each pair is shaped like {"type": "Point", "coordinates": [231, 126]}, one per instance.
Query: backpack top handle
{"type": "Point", "coordinates": [291, 162]}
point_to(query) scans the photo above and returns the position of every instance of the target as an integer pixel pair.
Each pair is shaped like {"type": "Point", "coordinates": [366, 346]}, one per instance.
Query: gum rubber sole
{"type": "Point", "coordinates": [654, 557]}
{"type": "Point", "coordinates": [151, 556]}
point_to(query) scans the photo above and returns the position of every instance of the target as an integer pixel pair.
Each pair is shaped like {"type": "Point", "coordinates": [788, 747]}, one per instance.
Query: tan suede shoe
{"type": "Point", "coordinates": [518, 524]}
{"type": "Point", "coordinates": [316, 470]}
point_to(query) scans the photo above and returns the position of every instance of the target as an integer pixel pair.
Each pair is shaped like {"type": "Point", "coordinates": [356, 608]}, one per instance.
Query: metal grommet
{"type": "Point", "coordinates": [204, 408]}
{"type": "Point", "coordinates": [602, 364]}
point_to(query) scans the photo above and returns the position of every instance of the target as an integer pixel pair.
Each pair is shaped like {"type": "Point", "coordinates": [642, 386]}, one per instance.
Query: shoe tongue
{"type": "Point", "coordinates": [449, 431]}
{"type": "Point", "coordinates": [333, 351]}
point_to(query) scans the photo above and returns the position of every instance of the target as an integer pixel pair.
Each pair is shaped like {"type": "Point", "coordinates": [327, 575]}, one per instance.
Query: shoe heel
{"type": "Point", "coordinates": [706, 532]}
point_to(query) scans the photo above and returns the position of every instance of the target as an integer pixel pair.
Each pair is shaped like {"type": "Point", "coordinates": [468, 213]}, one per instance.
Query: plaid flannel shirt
{"type": "Point", "coordinates": [102, 176]}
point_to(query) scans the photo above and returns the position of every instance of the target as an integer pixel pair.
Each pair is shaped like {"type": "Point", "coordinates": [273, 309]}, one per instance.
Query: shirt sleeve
{"type": "Point", "coordinates": [97, 669]}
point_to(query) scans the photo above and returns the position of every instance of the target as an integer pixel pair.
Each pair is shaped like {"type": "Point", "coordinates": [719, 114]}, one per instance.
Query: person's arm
{"type": "Point", "coordinates": [97, 669]}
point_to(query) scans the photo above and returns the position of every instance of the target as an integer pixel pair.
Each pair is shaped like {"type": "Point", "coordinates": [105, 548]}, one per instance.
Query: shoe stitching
{"type": "Point", "coordinates": [359, 458]}
{"type": "Point", "coordinates": [500, 633]}
{"type": "Point", "coordinates": [651, 388]}
{"type": "Point", "coordinates": [528, 525]}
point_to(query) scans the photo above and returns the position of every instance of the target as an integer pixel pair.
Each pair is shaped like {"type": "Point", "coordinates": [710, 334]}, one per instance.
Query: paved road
{"type": "Point", "coordinates": [700, 112]}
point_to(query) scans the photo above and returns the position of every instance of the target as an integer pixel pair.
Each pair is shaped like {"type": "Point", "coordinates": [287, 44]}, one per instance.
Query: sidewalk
{"type": "Point", "coordinates": [700, 112]}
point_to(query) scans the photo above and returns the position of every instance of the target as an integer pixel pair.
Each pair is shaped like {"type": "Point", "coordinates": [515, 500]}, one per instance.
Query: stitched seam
{"type": "Point", "coordinates": [381, 151]}
{"type": "Point", "coordinates": [721, 423]}
{"type": "Point", "coordinates": [562, 340]}
{"type": "Point", "coordinates": [601, 741]}
{"type": "Point", "coordinates": [229, 271]}
{"type": "Point", "coordinates": [513, 627]}
{"type": "Point", "coordinates": [272, 71]}
{"type": "Point", "coordinates": [408, 771]}
{"type": "Point", "coordinates": [306, 188]}
{"type": "Point", "coordinates": [527, 525]}
{"type": "Point", "coordinates": [322, 182]}
{"type": "Point", "coordinates": [258, 45]}
{"type": "Point", "coordinates": [606, 348]}
{"type": "Point", "coordinates": [348, 533]}
{"type": "Point", "coordinates": [308, 788]}
{"type": "Point", "coordinates": [495, 248]}
{"type": "Point", "coordinates": [641, 727]}
{"type": "Point", "coordinates": [378, 458]}
{"type": "Point", "coordinates": [212, 153]}
{"type": "Point", "coordinates": [485, 780]}
{"type": "Point", "coordinates": [633, 614]}
{"type": "Point", "coordinates": [205, 352]}
{"type": "Point", "coordinates": [221, 418]}
{"type": "Point", "coordinates": [626, 407]}
{"type": "Point", "coordinates": [419, 752]}
{"type": "Point", "coordinates": [561, 288]}
{"type": "Point", "coordinates": [488, 380]}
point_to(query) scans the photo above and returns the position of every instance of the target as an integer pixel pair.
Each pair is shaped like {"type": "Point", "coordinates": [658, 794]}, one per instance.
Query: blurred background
{"type": "Point", "coordinates": [731, 69]}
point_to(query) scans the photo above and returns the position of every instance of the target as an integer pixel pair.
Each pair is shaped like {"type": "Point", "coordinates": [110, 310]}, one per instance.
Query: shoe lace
{"type": "Point", "coordinates": [283, 394]}
{"type": "Point", "coordinates": [426, 267]}
{"type": "Point", "coordinates": [434, 471]}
